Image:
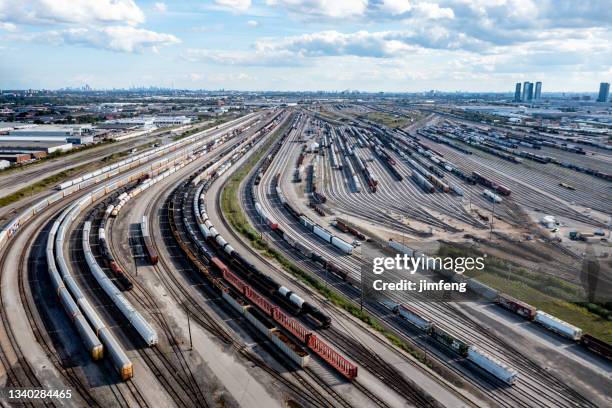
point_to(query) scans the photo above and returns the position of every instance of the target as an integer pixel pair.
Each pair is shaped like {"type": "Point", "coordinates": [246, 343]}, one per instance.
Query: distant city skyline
{"type": "Point", "coordinates": [293, 45]}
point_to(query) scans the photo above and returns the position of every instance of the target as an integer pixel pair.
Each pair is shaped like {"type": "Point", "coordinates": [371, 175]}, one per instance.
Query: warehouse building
{"type": "Point", "coordinates": [16, 158]}
{"type": "Point", "coordinates": [34, 146]}
{"type": "Point", "coordinates": [148, 122]}
{"type": "Point", "coordinates": [75, 134]}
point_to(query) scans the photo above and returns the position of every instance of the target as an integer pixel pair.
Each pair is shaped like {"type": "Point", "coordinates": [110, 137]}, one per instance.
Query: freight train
{"type": "Point", "coordinates": [473, 353]}
{"type": "Point", "coordinates": [489, 183]}
{"type": "Point", "coordinates": [148, 244]}
{"type": "Point", "coordinates": [312, 226]}
{"type": "Point", "coordinates": [554, 324]}
{"type": "Point", "coordinates": [108, 257]}
{"type": "Point", "coordinates": [264, 281]}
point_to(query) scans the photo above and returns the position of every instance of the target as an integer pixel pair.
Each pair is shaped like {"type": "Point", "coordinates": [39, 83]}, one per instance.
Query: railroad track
{"type": "Point", "coordinates": [42, 335]}
{"type": "Point", "coordinates": [203, 318]}
{"type": "Point", "coordinates": [555, 394]}
{"type": "Point", "coordinates": [175, 376]}
{"type": "Point", "coordinates": [303, 390]}
{"type": "Point", "coordinates": [411, 392]}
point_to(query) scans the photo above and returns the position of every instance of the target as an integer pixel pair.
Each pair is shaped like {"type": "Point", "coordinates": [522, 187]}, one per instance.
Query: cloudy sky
{"type": "Point", "coordinates": [372, 45]}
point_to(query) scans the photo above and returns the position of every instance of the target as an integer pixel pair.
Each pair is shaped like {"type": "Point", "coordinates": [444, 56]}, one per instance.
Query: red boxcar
{"type": "Point", "coordinates": [517, 306]}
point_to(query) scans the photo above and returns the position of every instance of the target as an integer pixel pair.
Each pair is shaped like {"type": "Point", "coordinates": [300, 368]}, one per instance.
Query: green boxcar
{"type": "Point", "coordinates": [449, 340]}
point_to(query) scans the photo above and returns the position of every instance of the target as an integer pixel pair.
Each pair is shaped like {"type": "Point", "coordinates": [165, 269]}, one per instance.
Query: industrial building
{"type": "Point", "coordinates": [75, 134]}
{"type": "Point", "coordinates": [34, 146]}
{"type": "Point", "coordinates": [148, 122]}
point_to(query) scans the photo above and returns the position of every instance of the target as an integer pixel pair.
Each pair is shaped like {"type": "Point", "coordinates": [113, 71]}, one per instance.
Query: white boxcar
{"type": "Point", "coordinates": [342, 245]}
{"type": "Point", "coordinates": [558, 326]}
{"type": "Point", "coordinates": [492, 365]}
{"type": "Point", "coordinates": [321, 233]}
{"type": "Point", "coordinates": [414, 318]}
{"type": "Point", "coordinates": [400, 248]}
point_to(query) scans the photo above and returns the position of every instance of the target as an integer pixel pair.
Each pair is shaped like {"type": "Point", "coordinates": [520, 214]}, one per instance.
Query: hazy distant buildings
{"type": "Point", "coordinates": [604, 92]}
{"type": "Point", "coordinates": [538, 91]}
{"type": "Point", "coordinates": [517, 92]}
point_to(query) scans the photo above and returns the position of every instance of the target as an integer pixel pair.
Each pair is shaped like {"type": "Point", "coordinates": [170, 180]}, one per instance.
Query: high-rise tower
{"type": "Point", "coordinates": [604, 92]}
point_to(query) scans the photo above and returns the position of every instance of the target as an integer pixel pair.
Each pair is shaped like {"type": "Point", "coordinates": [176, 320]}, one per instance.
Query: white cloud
{"type": "Point", "coordinates": [113, 38]}
{"type": "Point", "coordinates": [396, 7]}
{"type": "Point", "coordinates": [8, 26]}
{"type": "Point", "coordinates": [325, 8]}
{"type": "Point", "coordinates": [266, 58]}
{"type": "Point", "coordinates": [195, 77]}
{"type": "Point", "coordinates": [381, 44]}
{"type": "Point", "coordinates": [236, 5]}
{"type": "Point", "coordinates": [253, 23]}
{"type": "Point", "coordinates": [70, 11]}
{"type": "Point", "coordinates": [160, 7]}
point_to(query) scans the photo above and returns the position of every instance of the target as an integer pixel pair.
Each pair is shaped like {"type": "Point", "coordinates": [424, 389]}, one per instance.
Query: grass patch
{"type": "Point", "coordinates": [545, 292]}
{"type": "Point", "coordinates": [233, 212]}
{"type": "Point", "coordinates": [389, 120]}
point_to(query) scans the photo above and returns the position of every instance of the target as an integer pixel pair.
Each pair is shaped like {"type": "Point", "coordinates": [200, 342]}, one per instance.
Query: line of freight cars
{"type": "Point", "coordinates": [106, 253]}
{"type": "Point", "coordinates": [423, 178]}
{"type": "Point", "coordinates": [301, 248]}
{"type": "Point", "coordinates": [306, 337]}
{"type": "Point", "coordinates": [144, 329]}
{"type": "Point", "coordinates": [389, 163]}
{"type": "Point", "coordinates": [555, 325]}
{"type": "Point", "coordinates": [268, 160]}
{"type": "Point", "coordinates": [312, 226]}
{"type": "Point", "coordinates": [367, 173]}
{"type": "Point", "coordinates": [265, 282]}
{"type": "Point", "coordinates": [236, 292]}
{"type": "Point", "coordinates": [487, 362]}
{"type": "Point", "coordinates": [480, 179]}
{"type": "Point", "coordinates": [95, 335]}
{"type": "Point", "coordinates": [520, 308]}
{"type": "Point", "coordinates": [148, 244]}
{"type": "Point", "coordinates": [342, 226]}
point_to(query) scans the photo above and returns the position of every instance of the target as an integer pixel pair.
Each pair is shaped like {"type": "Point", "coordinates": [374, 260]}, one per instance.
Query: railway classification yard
{"type": "Point", "coordinates": [315, 255]}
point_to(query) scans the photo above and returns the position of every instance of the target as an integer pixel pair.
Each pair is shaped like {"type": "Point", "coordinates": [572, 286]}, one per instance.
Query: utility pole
{"type": "Point", "coordinates": [361, 300]}
{"type": "Point", "coordinates": [189, 329]}
{"type": "Point", "coordinates": [492, 218]}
